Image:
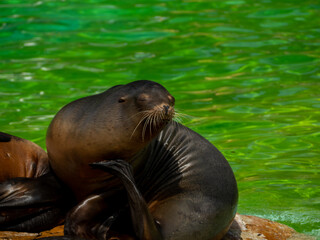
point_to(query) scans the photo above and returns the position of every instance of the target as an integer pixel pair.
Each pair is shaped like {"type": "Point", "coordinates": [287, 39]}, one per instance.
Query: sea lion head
{"type": "Point", "coordinates": [151, 107]}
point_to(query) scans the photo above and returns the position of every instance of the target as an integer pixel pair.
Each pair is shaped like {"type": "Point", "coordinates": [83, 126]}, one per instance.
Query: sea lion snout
{"type": "Point", "coordinates": [167, 112]}
{"type": "Point", "coordinates": [166, 108]}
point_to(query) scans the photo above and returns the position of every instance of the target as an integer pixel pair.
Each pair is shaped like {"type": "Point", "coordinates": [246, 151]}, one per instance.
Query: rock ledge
{"type": "Point", "coordinates": [243, 228]}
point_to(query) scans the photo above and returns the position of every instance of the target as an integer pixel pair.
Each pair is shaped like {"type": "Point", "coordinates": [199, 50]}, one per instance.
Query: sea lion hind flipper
{"type": "Point", "coordinates": [17, 192]}
{"type": "Point", "coordinates": [144, 225]}
{"type": "Point", "coordinates": [88, 218]}
{"type": "Point", "coordinates": [103, 229]}
{"type": "Point", "coordinates": [32, 204]}
{"type": "Point", "coordinates": [26, 192]}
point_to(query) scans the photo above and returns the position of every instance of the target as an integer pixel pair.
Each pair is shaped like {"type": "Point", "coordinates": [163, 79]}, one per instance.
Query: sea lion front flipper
{"type": "Point", "coordinates": [144, 224]}
{"type": "Point", "coordinates": [32, 204]}
{"type": "Point", "coordinates": [88, 218]}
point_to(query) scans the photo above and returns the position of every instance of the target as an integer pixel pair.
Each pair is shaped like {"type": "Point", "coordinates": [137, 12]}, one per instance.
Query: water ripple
{"type": "Point", "coordinates": [247, 72]}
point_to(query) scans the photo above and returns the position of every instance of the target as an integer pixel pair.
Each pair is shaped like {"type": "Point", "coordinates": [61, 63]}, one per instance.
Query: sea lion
{"type": "Point", "coordinates": [21, 158]}
{"type": "Point", "coordinates": [121, 148]}
{"type": "Point", "coordinates": [31, 199]}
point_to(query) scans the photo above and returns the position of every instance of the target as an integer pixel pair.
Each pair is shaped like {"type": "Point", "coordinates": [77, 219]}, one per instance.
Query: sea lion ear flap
{"type": "Point", "coordinates": [5, 137]}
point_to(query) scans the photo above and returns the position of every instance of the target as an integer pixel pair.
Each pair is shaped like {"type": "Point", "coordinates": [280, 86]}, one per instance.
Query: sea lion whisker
{"type": "Point", "coordinates": [139, 113]}
{"type": "Point", "coordinates": [181, 116]}
{"type": "Point", "coordinates": [155, 121]}
{"type": "Point", "coordinates": [145, 125]}
{"type": "Point", "coordinates": [158, 119]}
{"type": "Point", "coordinates": [178, 119]}
{"type": "Point", "coordinates": [151, 123]}
{"type": "Point", "coordinates": [142, 119]}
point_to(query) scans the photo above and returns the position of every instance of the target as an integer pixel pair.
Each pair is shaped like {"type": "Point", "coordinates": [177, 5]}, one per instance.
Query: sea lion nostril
{"type": "Point", "coordinates": [166, 108]}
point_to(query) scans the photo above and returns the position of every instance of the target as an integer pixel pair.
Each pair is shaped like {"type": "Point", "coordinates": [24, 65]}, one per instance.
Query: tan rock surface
{"type": "Point", "coordinates": [243, 228]}
{"type": "Point", "coordinates": [57, 231]}
{"type": "Point", "coordinates": [255, 228]}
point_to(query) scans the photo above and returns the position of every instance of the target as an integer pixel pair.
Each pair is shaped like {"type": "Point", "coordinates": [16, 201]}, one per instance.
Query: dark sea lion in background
{"type": "Point", "coordinates": [121, 154]}
{"type": "Point", "coordinates": [21, 158]}
{"type": "Point", "coordinates": [31, 199]}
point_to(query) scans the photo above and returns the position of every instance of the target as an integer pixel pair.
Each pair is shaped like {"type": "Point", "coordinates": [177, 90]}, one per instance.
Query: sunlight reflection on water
{"type": "Point", "coordinates": [245, 72]}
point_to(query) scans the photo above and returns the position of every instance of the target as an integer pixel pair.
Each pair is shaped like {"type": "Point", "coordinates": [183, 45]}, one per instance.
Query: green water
{"type": "Point", "coordinates": [246, 72]}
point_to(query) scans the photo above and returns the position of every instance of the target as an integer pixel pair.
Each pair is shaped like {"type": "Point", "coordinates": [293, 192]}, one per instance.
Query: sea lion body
{"type": "Point", "coordinates": [183, 183]}
{"type": "Point", "coordinates": [21, 158]}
